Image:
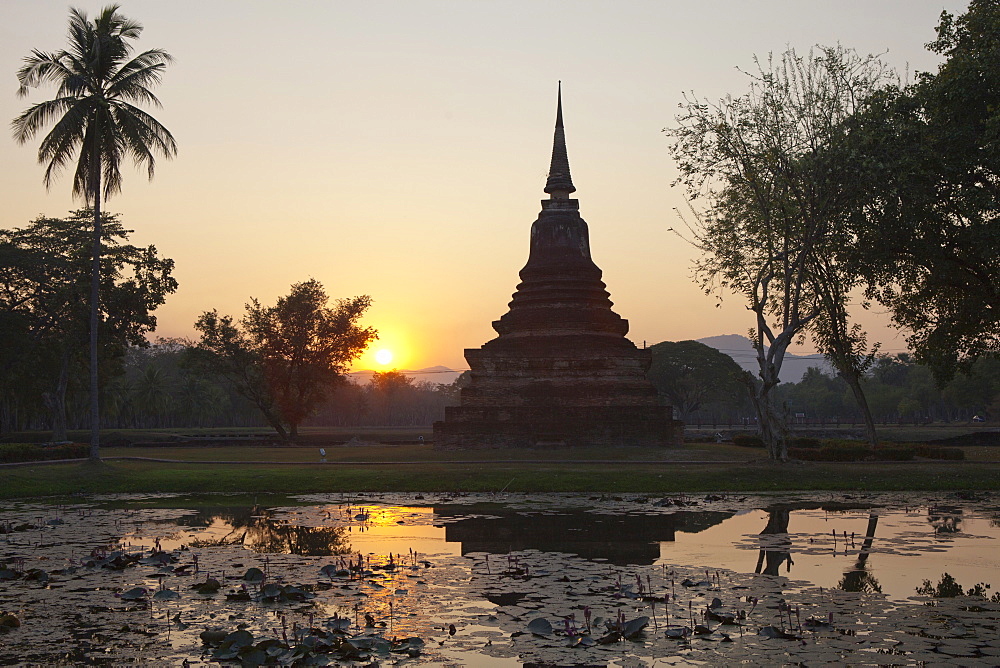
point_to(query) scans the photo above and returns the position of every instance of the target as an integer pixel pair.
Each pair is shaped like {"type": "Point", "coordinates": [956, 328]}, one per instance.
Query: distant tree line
{"type": "Point", "coordinates": [278, 367]}
{"type": "Point", "coordinates": [162, 386]}
{"type": "Point", "coordinates": [705, 386]}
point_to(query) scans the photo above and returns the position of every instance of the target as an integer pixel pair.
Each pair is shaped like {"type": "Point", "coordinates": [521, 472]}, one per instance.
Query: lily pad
{"type": "Point", "coordinates": [540, 626]}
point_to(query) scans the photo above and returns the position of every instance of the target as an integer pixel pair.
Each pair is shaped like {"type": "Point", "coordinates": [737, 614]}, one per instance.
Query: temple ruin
{"type": "Point", "coordinates": [560, 371]}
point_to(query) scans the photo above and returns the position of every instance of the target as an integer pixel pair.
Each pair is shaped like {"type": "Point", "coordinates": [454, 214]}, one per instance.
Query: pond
{"type": "Point", "coordinates": [501, 580]}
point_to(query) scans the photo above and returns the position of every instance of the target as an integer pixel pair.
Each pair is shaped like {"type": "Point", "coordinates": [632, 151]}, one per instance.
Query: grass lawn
{"type": "Point", "coordinates": [351, 469]}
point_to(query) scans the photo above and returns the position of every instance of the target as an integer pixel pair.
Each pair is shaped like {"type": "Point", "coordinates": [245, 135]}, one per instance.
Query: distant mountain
{"type": "Point", "coordinates": [741, 350]}
{"type": "Point", "coordinates": [433, 374]}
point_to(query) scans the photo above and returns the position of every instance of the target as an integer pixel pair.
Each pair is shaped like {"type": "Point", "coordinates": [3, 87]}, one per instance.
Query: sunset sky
{"type": "Point", "coordinates": [399, 149]}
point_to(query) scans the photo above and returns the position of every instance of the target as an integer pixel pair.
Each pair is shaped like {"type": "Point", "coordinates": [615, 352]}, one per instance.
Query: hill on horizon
{"type": "Point", "coordinates": [432, 374]}
{"type": "Point", "coordinates": [741, 350]}
{"type": "Point", "coordinates": [736, 346]}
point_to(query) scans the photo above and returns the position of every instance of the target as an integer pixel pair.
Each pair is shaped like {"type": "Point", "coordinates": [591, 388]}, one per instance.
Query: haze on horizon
{"type": "Point", "coordinates": [399, 149]}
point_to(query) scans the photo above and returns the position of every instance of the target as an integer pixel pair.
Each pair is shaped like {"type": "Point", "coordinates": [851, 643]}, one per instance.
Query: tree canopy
{"type": "Point", "coordinates": [286, 358]}
{"type": "Point", "coordinates": [692, 375]}
{"type": "Point", "coordinates": [44, 283]}
{"type": "Point", "coordinates": [769, 174]}
{"type": "Point", "coordinates": [928, 222]}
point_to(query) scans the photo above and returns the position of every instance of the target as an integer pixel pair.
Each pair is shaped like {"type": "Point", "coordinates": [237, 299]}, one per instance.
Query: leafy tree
{"type": "Point", "coordinates": [286, 358]}
{"type": "Point", "coordinates": [44, 283]}
{"type": "Point", "coordinates": [844, 345]}
{"type": "Point", "coordinates": [95, 118]}
{"type": "Point", "coordinates": [769, 167]}
{"type": "Point", "coordinates": [692, 375]}
{"type": "Point", "coordinates": [928, 225]}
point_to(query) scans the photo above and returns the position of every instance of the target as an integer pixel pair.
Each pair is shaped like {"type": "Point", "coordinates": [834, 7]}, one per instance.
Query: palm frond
{"type": "Point", "coordinates": [62, 142]}
{"type": "Point", "coordinates": [27, 125]}
{"type": "Point", "coordinates": [143, 127]}
{"type": "Point", "coordinates": [94, 111]}
{"type": "Point", "coordinates": [39, 68]}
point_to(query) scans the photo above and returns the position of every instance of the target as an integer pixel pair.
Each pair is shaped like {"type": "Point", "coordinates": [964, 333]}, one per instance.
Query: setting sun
{"type": "Point", "coordinates": [383, 356]}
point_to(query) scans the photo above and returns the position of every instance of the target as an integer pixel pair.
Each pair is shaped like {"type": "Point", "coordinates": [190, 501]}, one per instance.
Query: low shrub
{"type": "Point", "coordinates": [844, 452]}
{"type": "Point", "coordinates": [894, 453]}
{"type": "Point", "coordinates": [804, 442]}
{"type": "Point", "coordinates": [939, 452]}
{"type": "Point", "coordinates": [33, 452]}
{"type": "Point", "coordinates": [748, 440]}
{"type": "Point", "coordinates": [852, 451]}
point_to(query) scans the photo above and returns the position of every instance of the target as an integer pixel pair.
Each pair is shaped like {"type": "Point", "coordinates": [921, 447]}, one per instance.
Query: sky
{"type": "Point", "coordinates": [399, 149]}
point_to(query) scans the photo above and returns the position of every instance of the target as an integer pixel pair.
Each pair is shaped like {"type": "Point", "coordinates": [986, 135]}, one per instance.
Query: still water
{"type": "Point", "coordinates": [120, 579]}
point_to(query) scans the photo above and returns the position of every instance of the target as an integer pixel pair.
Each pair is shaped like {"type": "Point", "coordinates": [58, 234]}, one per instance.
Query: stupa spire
{"type": "Point", "coordinates": [560, 183]}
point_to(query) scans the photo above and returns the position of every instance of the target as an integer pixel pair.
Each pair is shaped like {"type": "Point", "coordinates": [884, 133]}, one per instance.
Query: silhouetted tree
{"type": "Point", "coordinates": [775, 185]}
{"type": "Point", "coordinates": [44, 282]}
{"type": "Point", "coordinates": [95, 118]}
{"type": "Point", "coordinates": [286, 358]}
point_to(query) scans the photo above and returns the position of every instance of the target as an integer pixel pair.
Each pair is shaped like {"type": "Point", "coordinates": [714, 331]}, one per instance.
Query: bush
{"type": "Point", "coordinates": [804, 442]}
{"type": "Point", "coordinates": [938, 452]}
{"type": "Point", "coordinates": [748, 440]}
{"type": "Point", "coordinates": [852, 451]}
{"type": "Point", "coordinates": [33, 452]}
{"type": "Point", "coordinates": [894, 453]}
{"type": "Point", "coordinates": [844, 452]}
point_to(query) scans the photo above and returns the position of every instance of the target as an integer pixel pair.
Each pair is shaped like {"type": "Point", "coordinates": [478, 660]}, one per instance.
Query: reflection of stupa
{"type": "Point", "coordinates": [620, 539]}
{"type": "Point", "coordinates": [561, 371]}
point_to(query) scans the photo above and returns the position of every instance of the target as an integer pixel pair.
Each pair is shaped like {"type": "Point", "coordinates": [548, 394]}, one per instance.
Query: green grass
{"type": "Point", "coordinates": [485, 476]}
{"type": "Point", "coordinates": [376, 453]}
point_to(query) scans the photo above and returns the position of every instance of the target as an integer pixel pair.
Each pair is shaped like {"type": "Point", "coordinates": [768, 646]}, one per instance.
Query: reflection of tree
{"type": "Point", "coordinates": [255, 528]}
{"type": "Point", "coordinates": [945, 519]}
{"type": "Point", "coordinates": [774, 554]}
{"type": "Point", "coordinates": [859, 579]}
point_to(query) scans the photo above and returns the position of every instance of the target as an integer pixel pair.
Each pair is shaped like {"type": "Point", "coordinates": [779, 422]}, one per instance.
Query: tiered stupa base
{"type": "Point", "coordinates": [560, 371]}
{"type": "Point", "coordinates": [534, 427]}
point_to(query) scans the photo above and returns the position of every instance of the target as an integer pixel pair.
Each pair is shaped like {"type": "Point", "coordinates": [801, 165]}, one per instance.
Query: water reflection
{"type": "Point", "coordinates": [778, 551]}
{"type": "Point", "coordinates": [860, 579]}
{"type": "Point", "coordinates": [945, 519]}
{"type": "Point", "coordinates": [619, 539]}
{"type": "Point", "coordinates": [825, 542]}
{"type": "Point", "coordinates": [256, 528]}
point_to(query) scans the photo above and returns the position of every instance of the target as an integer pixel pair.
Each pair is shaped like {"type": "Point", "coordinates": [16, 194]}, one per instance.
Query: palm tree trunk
{"type": "Point", "coordinates": [95, 312]}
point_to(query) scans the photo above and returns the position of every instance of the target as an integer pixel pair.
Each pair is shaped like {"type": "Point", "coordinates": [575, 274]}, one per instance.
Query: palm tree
{"type": "Point", "coordinates": [95, 121]}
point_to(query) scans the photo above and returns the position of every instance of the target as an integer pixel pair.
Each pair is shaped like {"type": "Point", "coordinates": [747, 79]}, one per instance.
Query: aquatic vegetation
{"type": "Point", "coordinates": [149, 594]}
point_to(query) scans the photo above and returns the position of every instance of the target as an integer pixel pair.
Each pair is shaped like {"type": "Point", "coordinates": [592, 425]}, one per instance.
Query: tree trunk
{"type": "Point", "coordinates": [57, 400]}
{"type": "Point", "coordinates": [95, 311]}
{"type": "Point", "coordinates": [769, 423]}
{"type": "Point", "coordinates": [859, 395]}
{"type": "Point", "coordinates": [293, 432]}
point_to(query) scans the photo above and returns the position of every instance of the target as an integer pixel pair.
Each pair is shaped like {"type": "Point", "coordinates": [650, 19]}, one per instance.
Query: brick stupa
{"type": "Point", "coordinates": [561, 371]}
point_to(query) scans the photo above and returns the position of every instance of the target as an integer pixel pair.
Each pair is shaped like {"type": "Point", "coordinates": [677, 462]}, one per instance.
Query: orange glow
{"type": "Point", "coordinates": [392, 350]}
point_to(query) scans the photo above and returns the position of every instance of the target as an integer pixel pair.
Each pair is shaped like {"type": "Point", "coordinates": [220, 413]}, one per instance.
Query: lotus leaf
{"type": "Point", "coordinates": [271, 591]}
{"type": "Point", "coordinates": [241, 595]}
{"type": "Point", "coordinates": [237, 639]}
{"type": "Point", "coordinates": [166, 595]}
{"type": "Point", "coordinates": [540, 626]}
{"type": "Point", "coordinates": [209, 586]}
{"type": "Point", "coordinates": [775, 632]}
{"type": "Point", "coordinates": [213, 636]}
{"type": "Point", "coordinates": [635, 627]}
{"type": "Point", "coordinates": [677, 632]}
{"type": "Point", "coordinates": [134, 594]}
